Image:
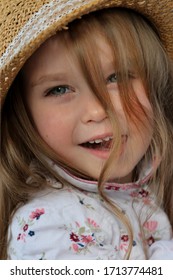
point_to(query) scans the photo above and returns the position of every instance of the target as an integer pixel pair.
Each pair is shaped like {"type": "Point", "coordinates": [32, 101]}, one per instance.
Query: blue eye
{"type": "Point", "coordinates": [59, 90]}
{"type": "Point", "coordinates": [115, 77]}
{"type": "Point", "coordinates": [112, 78]}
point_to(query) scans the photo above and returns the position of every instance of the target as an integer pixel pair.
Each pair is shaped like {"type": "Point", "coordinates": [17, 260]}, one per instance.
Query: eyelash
{"type": "Point", "coordinates": [114, 75]}
{"type": "Point", "coordinates": [117, 76]}
{"type": "Point", "coordinates": [60, 87]}
{"type": "Point", "coordinates": [70, 89]}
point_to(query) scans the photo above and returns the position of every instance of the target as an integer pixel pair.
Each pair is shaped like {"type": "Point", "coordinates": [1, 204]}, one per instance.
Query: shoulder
{"type": "Point", "coordinates": [58, 224]}
{"type": "Point", "coordinates": [49, 206]}
{"type": "Point", "coordinates": [34, 225]}
{"type": "Point", "coordinates": [161, 250]}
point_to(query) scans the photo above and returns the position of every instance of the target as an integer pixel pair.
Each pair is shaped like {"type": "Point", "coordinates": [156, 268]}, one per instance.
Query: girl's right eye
{"type": "Point", "coordinates": [59, 91]}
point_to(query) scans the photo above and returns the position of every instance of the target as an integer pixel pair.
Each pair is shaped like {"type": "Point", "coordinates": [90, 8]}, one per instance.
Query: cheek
{"type": "Point", "coordinates": [54, 132]}
{"type": "Point", "coordinates": [142, 114]}
{"type": "Point", "coordinates": [118, 108]}
{"type": "Point", "coordinates": [53, 129]}
{"type": "Point", "coordinates": [142, 96]}
{"type": "Point", "coordinates": [141, 134]}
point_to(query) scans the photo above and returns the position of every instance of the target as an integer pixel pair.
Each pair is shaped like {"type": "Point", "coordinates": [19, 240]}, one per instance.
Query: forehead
{"type": "Point", "coordinates": [57, 52]}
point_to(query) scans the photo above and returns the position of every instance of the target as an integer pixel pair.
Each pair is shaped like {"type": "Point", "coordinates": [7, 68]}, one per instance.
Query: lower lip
{"type": "Point", "coordinates": [104, 154]}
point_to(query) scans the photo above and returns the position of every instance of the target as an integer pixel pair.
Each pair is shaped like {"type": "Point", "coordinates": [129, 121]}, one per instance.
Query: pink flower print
{"type": "Point", "coordinates": [25, 227]}
{"type": "Point", "coordinates": [125, 187]}
{"type": "Point", "coordinates": [92, 222]}
{"type": "Point", "coordinates": [123, 247]}
{"type": "Point", "coordinates": [21, 236]}
{"type": "Point", "coordinates": [151, 226]}
{"type": "Point", "coordinates": [77, 224]}
{"type": "Point", "coordinates": [115, 188]}
{"type": "Point", "coordinates": [125, 238]}
{"type": "Point", "coordinates": [147, 201]}
{"type": "Point", "coordinates": [124, 242]}
{"type": "Point", "coordinates": [134, 194]}
{"type": "Point", "coordinates": [150, 240]}
{"type": "Point", "coordinates": [37, 213]}
{"type": "Point", "coordinates": [86, 238]}
{"type": "Point", "coordinates": [74, 237]}
{"type": "Point", "coordinates": [143, 193]}
{"type": "Point", "coordinates": [75, 247]}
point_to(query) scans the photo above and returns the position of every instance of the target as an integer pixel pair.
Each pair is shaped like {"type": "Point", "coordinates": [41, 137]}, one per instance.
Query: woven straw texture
{"type": "Point", "coordinates": [26, 24]}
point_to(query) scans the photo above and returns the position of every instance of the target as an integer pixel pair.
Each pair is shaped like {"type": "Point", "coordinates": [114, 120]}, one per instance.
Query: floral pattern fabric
{"type": "Point", "coordinates": [74, 223]}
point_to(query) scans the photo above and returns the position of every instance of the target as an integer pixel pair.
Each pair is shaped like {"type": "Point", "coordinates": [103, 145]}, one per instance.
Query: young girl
{"type": "Point", "coordinates": [87, 130]}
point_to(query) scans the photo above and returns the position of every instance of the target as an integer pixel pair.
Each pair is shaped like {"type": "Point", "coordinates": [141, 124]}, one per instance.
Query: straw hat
{"type": "Point", "coordinates": [25, 24]}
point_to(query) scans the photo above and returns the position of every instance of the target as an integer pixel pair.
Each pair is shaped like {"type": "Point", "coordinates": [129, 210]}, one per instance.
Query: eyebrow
{"type": "Point", "coordinates": [48, 78]}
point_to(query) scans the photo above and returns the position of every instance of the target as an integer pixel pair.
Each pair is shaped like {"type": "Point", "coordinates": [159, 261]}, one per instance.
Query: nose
{"type": "Point", "coordinates": [93, 110]}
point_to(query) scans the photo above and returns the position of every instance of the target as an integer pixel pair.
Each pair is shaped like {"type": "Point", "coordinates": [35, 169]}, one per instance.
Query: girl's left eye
{"type": "Point", "coordinates": [112, 78]}
{"type": "Point", "coordinates": [59, 90]}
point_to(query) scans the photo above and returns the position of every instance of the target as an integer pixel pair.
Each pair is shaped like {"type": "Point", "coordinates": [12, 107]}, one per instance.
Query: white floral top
{"type": "Point", "coordinates": [74, 223]}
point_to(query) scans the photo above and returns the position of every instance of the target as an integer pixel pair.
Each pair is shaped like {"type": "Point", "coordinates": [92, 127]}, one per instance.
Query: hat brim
{"type": "Point", "coordinates": [27, 24]}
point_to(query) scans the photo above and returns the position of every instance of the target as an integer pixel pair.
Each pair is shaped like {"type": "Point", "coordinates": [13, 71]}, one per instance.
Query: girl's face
{"type": "Point", "coordinates": [70, 118]}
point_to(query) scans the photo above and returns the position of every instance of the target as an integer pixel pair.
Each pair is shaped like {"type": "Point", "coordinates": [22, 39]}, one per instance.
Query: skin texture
{"type": "Point", "coordinates": [67, 113]}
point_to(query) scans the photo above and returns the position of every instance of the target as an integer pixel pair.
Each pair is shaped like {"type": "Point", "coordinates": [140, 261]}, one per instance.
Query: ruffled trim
{"type": "Point", "coordinates": [92, 186]}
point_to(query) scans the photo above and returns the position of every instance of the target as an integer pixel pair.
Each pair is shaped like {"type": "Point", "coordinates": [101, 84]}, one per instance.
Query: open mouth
{"type": "Point", "coordinates": [104, 144]}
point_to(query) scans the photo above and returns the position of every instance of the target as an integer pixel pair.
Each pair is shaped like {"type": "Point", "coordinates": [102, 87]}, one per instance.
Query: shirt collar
{"type": "Point", "coordinates": [92, 186]}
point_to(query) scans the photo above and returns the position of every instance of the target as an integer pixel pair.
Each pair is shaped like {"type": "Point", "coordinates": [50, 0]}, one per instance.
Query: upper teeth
{"type": "Point", "coordinates": [100, 140]}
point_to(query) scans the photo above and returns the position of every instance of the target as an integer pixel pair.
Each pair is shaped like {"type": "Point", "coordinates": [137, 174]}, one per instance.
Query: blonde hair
{"type": "Point", "coordinates": [135, 46]}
